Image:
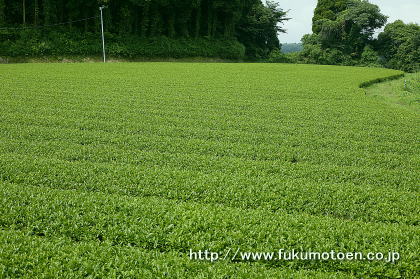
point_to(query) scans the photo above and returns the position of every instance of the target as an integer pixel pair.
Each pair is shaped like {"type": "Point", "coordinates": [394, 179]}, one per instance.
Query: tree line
{"type": "Point", "coordinates": [344, 34]}
{"type": "Point", "coordinates": [251, 23]}
{"type": "Point", "coordinates": [344, 31]}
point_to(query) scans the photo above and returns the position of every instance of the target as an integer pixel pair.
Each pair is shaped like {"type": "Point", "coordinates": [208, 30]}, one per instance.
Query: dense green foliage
{"type": "Point", "coordinates": [210, 28]}
{"type": "Point", "coordinates": [343, 35]}
{"type": "Point", "coordinates": [32, 43]}
{"type": "Point", "coordinates": [345, 38]}
{"type": "Point", "coordinates": [327, 10]}
{"type": "Point", "coordinates": [117, 170]}
{"type": "Point", "coordinates": [399, 44]}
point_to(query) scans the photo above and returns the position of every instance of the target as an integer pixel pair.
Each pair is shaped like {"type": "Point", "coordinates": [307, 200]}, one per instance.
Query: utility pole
{"type": "Point", "coordinates": [102, 28]}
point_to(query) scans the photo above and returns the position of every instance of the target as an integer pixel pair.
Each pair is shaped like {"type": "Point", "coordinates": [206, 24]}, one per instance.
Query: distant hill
{"type": "Point", "coordinates": [288, 48]}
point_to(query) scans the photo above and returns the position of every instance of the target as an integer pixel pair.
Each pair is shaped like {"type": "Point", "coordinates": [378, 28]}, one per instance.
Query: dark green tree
{"type": "Point", "coordinates": [359, 22]}
{"type": "Point", "coordinates": [399, 44]}
{"type": "Point", "coordinates": [327, 10]}
{"type": "Point", "coordinates": [344, 37]}
{"type": "Point", "coordinates": [259, 29]}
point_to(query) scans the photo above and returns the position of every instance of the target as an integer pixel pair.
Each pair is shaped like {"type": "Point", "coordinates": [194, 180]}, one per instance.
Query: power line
{"type": "Point", "coordinates": [44, 26]}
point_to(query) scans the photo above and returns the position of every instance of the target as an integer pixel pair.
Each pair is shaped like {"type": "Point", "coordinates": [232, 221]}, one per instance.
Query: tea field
{"type": "Point", "coordinates": [121, 170]}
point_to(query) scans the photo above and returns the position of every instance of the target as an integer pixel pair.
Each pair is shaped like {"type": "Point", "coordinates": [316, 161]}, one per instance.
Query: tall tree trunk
{"type": "Point", "coordinates": [24, 12]}
{"type": "Point", "coordinates": [36, 12]}
{"type": "Point", "coordinates": [156, 24]}
{"type": "Point", "coordinates": [229, 27]}
{"type": "Point", "coordinates": [145, 19]}
{"type": "Point", "coordinates": [136, 20]}
{"type": "Point", "coordinates": [97, 24]}
{"type": "Point", "coordinates": [61, 11]}
{"type": "Point", "coordinates": [86, 14]}
{"type": "Point", "coordinates": [47, 11]}
{"type": "Point", "coordinates": [171, 25]}
{"type": "Point", "coordinates": [198, 21]}
{"type": "Point", "coordinates": [209, 19]}
{"type": "Point", "coordinates": [183, 23]}
{"type": "Point", "coordinates": [2, 13]}
{"type": "Point", "coordinates": [214, 25]}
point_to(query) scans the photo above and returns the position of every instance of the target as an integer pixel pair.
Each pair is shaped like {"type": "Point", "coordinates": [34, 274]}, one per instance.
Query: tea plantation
{"type": "Point", "coordinates": [121, 170]}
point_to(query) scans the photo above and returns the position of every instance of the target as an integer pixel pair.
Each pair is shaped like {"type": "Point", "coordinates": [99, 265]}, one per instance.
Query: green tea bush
{"type": "Point", "coordinates": [119, 169]}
